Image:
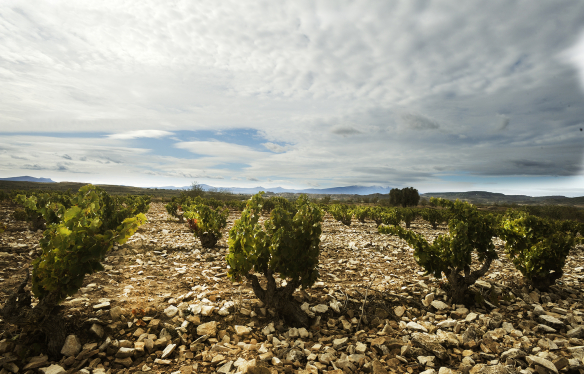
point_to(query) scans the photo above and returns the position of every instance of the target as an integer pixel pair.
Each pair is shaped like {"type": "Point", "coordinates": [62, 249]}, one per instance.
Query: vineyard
{"type": "Point", "coordinates": [97, 283]}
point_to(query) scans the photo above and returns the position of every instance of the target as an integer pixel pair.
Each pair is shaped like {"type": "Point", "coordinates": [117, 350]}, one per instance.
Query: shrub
{"type": "Point", "coordinates": [72, 247]}
{"type": "Point", "coordinates": [376, 214]}
{"type": "Point", "coordinates": [408, 215]}
{"type": "Point", "coordinates": [433, 216]}
{"type": "Point", "coordinates": [175, 210]}
{"type": "Point", "coordinates": [275, 201]}
{"type": "Point", "coordinates": [537, 247]}
{"type": "Point", "coordinates": [341, 213]}
{"type": "Point", "coordinates": [286, 244]}
{"type": "Point", "coordinates": [452, 254]}
{"type": "Point", "coordinates": [361, 213]}
{"type": "Point", "coordinates": [42, 208]}
{"type": "Point", "coordinates": [206, 223]}
{"type": "Point", "coordinates": [75, 246]}
{"type": "Point", "coordinates": [391, 217]}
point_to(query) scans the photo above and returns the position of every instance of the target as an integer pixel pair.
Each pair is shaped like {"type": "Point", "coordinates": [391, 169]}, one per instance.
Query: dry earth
{"type": "Point", "coordinates": [164, 305]}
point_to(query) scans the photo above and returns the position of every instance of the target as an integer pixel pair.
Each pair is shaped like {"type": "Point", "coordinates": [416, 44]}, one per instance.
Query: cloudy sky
{"type": "Point", "coordinates": [439, 95]}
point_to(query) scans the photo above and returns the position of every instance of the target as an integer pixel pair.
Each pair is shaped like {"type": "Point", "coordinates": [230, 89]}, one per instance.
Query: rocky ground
{"type": "Point", "coordinates": [164, 305]}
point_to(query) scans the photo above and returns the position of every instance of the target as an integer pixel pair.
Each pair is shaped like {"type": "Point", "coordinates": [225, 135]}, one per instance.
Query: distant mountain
{"type": "Point", "coordinates": [484, 197]}
{"type": "Point", "coordinates": [28, 179]}
{"type": "Point", "coordinates": [349, 190]}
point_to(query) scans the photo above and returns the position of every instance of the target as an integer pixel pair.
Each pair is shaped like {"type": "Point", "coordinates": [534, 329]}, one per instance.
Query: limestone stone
{"type": "Point", "coordinates": [125, 352]}
{"type": "Point", "coordinates": [551, 321]}
{"type": "Point", "coordinates": [531, 360]}
{"type": "Point", "coordinates": [168, 351]}
{"type": "Point", "coordinates": [428, 299]}
{"type": "Point", "coordinates": [36, 362]}
{"type": "Point", "coordinates": [209, 328]}
{"type": "Point", "coordinates": [97, 330]}
{"type": "Point", "coordinates": [71, 347]}
{"type": "Point", "coordinates": [225, 368]}
{"type": "Point", "coordinates": [53, 369]}
{"type": "Point", "coordinates": [439, 305]}
{"type": "Point", "coordinates": [578, 333]}
{"type": "Point", "coordinates": [399, 311]}
{"type": "Point", "coordinates": [427, 342]}
{"type": "Point", "coordinates": [242, 330]}
{"type": "Point", "coordinates": [339, 343]}
{"type": "Point", "coordinates": [303, 333]}
{"type": "Point", "coordinates": [426, 360]}
{"type": "Point", "coordinates": [127, 362]}
{"type": "Point", "coordinates": [320, 308]}
{"type": "Point", "coordinates": [207, 310]}
{"type": "Point", "coordinates": [416, 327]}
{"type": "Point", "coordinates": [171, 311]}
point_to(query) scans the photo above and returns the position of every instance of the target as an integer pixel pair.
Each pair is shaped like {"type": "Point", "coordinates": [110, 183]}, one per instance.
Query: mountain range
{"type": "Point", "coordinates": [475, 197]}
{"type": "Point", "coordinates": [28, 179]}
{"type": "Point", "coordinates": [348, 190]}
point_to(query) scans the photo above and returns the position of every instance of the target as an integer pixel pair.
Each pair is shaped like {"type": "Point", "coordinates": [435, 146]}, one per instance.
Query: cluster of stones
{"type": "Point", "coordinates": [536, 332]}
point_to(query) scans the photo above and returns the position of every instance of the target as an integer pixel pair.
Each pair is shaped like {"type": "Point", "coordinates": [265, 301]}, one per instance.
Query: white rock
{"type": "Point", "coordinates": [171, 311]}
{"type": "Point", "coordinates": [531, 360]}
{"type": "Point", "coordinates": [428, 299]}
{"type": "Point", "coordinates": [446, 324]}
{"type": "Point", "coordinates": [207, 310]}
{"type": "Point", "coordinates": [416, 327]}
{"type": "Point", "coordinates": [53, 369]}
{"type": "Point", "coordinates": [471, 317]}
{"type": "Point", "coordinates": [209, 328]}
{"type": "Point", "coordinates": [399, 311]}
{"type": "Point", "coordinates": [242, 330]}
{"type": "Point", "coordinates": [336, 306]}
{"type": "Point", "coordinates": [426, 360]}
{"type": "Point", "coordinates": [268, 329]}
{"type": "Point", "coordinates": [168, 351]}
{"type": "Point", "coordinates": [320, 308]}
{"type": "Point", "coordinates": [440, 305]}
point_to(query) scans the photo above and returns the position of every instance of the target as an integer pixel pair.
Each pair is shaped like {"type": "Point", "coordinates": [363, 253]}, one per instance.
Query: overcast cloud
{"type": "Point", "coordinates": [440, 95]}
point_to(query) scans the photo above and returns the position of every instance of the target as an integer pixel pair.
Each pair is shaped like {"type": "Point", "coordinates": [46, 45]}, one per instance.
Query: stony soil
{"type": "Point", "coordinates": [164, 305]}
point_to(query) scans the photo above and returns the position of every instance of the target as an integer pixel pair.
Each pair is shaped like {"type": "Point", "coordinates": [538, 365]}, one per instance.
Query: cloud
{"type": "Point", "coordinates": [419, 122]}
{"type": "Point", "coordinates": [276, 148]}
{"type": "Point", "coordinates": [575, 57]}
{"type": "Point", "coordinates": [222, 151]}
{"type": "Point", "coordinates": [252, 179]}
{"type": "Point", "coordinates": [141, 134]}
{"type": "Point", "coordinates": [366, 92]}
{"type": "Point", "coordinates": [504, 122]}
{"type": "Point", "coordinates": [344, 130]}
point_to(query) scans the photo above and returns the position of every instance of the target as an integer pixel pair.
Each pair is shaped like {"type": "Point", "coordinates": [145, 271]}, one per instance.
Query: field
{"type": "Point", "coordinates": [133, 316]}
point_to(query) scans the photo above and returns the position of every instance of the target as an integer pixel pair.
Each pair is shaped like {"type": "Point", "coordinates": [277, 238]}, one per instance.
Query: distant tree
{"type": "Point", "coordinates": [405, 197]}
{"type": "Point", "coordinates": [195, 190]}
{"type": "Point", "coordinates": [395, 197]}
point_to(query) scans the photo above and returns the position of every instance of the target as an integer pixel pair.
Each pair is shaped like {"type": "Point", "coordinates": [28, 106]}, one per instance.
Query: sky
{"type": "Point", "coordinates": [438, 95]}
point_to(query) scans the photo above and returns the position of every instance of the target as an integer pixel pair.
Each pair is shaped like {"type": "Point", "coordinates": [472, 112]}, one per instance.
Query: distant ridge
{"type": "Point", "coordinates": [348, 190]}
{"type": "Point", "coordinates": [28, 179]}
{"type": "Point", "coordinates": [484, 197]}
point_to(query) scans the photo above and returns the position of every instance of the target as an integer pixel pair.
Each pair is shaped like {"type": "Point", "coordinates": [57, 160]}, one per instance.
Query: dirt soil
{"type": "Point", "coordinates": [163, 264]}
